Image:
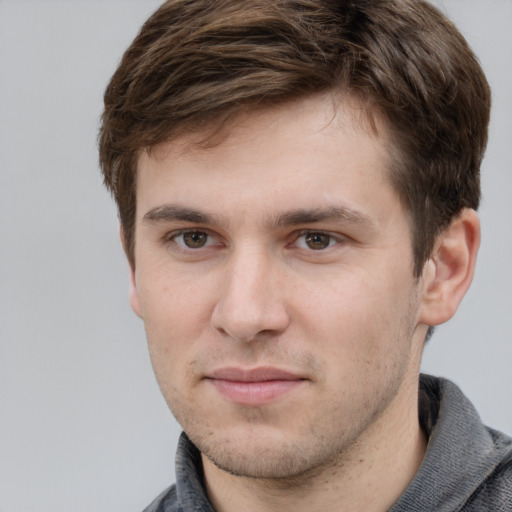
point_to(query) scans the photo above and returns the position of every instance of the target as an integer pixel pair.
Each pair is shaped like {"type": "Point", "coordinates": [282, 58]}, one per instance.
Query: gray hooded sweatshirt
{"type": "Point", "coordinates": [467, 466]}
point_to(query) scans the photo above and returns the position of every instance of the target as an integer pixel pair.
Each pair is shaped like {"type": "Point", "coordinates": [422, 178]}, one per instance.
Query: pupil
{"type": "Point", "coordinates": [317, 240]}
{"type": "Point", "coordinates": [195, 239]}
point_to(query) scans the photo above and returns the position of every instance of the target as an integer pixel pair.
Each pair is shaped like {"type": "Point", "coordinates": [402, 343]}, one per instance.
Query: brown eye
{"type": "Point", "coordinates": [195, 239]}
{"type": "Point", "coordinates": [317, 241]}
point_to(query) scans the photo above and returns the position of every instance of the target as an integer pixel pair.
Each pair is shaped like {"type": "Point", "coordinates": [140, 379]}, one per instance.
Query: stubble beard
{"type": "Point", "coordinates": [315, 445]}
{"type": "Point", "coordinates": [291, 461]}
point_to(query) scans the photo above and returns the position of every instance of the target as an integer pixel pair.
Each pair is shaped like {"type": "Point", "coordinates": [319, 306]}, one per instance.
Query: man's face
{"type": "Point", "coordinates": [274, 276]}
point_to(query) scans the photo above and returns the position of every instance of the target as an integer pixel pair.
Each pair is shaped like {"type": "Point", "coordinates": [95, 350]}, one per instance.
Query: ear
{"type": "Point", "coordinates": [448, 273]}
{"type": "Point", "coordinates": [134, 293]}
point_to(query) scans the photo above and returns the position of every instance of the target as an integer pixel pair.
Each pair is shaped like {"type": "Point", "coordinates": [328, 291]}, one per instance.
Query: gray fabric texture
{"type": "Point", "coordinates": [467, 466]}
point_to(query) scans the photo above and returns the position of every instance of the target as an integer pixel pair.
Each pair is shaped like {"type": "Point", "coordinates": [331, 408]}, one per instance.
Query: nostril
{"type": "Point", "coordinates": [220, 330]}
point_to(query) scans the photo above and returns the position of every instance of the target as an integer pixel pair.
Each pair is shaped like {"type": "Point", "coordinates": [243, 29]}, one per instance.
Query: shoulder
{"type": "Point", "coordinates": [482, 455]}
{"type": "Point", "coordinates": [467, 466]}
{"type": "Point", "coordinates": [188, 493]}
{"type": "Point", "coordinates": [495, 492]}
{"type": "Point", "coordinates": [165, 502]}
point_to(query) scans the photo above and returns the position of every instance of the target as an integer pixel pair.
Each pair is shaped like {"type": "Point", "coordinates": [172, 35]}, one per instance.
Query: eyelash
{"type": "Point", "coordinates": [171, 238]}
{"type": "Point", "coordinates": [332, 240]}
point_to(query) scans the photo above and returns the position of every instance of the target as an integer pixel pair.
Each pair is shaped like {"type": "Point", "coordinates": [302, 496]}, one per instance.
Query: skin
{"type": "Point", "coordinates": [285, 248]}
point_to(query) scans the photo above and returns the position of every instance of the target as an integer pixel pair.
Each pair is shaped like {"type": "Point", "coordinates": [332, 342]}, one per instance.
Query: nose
{"type": "Point", "coordinates": [251, 298]}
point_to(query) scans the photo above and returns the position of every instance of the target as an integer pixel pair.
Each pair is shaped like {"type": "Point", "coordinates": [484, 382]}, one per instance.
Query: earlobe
{"type": "Point", "coordinates": [134, 294]}
{"type": "Point", "coordinates": [447, 275]}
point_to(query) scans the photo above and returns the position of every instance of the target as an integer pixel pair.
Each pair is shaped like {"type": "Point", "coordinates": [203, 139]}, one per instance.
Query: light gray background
{"type": "Point", "coordinates": [82, 423]}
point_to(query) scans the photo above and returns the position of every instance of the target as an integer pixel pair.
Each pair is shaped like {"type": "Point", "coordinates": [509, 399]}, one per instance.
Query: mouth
{"type": "Point", "coordinates": [254, 387]}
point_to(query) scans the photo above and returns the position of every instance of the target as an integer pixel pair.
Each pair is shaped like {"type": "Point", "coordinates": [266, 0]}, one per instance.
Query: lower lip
{"type": "Point", "coordinates": [254, 393]}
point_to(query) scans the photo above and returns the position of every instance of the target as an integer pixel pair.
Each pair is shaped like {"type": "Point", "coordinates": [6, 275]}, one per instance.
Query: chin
{"type": "Point", "coordinates": [267, 458]}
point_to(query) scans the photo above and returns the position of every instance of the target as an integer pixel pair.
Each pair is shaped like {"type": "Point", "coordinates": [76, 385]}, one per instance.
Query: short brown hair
{"type": "Point", "coordinates": [198, 62]}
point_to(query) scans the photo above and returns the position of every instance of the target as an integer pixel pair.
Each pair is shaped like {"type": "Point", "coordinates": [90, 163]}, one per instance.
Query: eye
{"type": "Point", "coordinates": [315, 240]}
{"type": "Point", "coordinates": [192, 239]}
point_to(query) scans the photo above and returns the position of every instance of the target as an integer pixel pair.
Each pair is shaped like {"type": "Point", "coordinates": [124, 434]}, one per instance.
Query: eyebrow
{"type": "Point", "coordinates": [329, 213]}
{"type": "Point", "coordinates": [170, 213]}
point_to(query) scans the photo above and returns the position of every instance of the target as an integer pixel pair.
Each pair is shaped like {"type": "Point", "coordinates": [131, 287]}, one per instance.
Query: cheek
{"type": "Point", "coordinates": [359, 320]}
{"type": "Point", "coordinates": [171, 299]}
{"type": "Point", "coordinates": [346, 302]}
{"type": "Point", "coordinates": [175, 314]}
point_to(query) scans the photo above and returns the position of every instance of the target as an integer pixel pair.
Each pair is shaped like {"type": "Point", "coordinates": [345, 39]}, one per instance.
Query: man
{"type": "Point", "coordinates": [297, 184]}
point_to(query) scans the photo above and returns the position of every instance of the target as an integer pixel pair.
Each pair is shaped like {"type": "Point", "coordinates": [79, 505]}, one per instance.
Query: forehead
{"type": "Point", "coordinates": [325, 112]}
{"type": "Point", "coordinates": [297, 151]}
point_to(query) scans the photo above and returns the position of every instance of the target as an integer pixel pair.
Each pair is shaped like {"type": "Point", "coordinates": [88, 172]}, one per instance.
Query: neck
{"type": "Point", "coordinates": [369, 476]}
